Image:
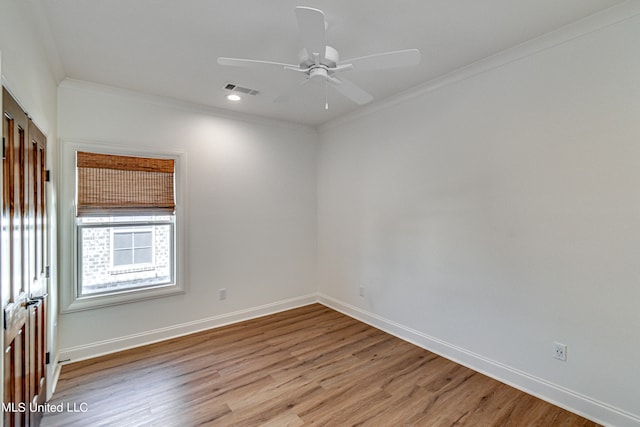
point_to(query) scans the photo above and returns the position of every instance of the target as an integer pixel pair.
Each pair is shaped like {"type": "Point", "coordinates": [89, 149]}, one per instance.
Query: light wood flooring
{"type": "Point", "coordinates": [307, 366]}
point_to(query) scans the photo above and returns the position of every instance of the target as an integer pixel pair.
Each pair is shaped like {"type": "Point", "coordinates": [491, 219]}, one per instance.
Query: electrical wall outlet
{"type": "Point", "coordinates": [560, 351]}
{"type": "Point", "coordinates": [361, 290]}
{"type": "Point", "coordinates": [222, 293]}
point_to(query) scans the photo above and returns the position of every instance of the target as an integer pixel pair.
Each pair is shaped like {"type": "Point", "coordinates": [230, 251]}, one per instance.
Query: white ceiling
{"type": "Point", "coordinates": [169, 47]}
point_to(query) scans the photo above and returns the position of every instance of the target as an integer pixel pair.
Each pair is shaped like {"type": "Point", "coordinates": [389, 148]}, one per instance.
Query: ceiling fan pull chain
{"type": "Point", "coordinates": [326, 96]}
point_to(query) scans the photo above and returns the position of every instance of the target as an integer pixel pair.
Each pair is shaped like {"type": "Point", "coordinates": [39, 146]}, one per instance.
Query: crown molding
{"type": "Point", "coordinates": [593, 23]}
{"type": "Point", "coordinates": [43, 27]}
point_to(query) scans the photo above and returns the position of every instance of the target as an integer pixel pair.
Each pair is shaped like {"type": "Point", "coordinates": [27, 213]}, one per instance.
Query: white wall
{"type": "Point", "coordinates": [30, 73]}
{"type": "Point", "coordinates": [498, 213]}
{"type": "Point", "coordinates": [251, 215]}
{"type": "Point", "coordinates": [28, 70]}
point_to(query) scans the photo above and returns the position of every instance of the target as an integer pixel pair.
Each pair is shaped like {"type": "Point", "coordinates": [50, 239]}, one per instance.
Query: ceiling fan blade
{"type": "Point", "coordinates": [353, 92]}
{"type": "Point", "coordinates": [380, 61]}
{"type": "Point", "coordinates": [284, 96]}
{"type": "Point", "coordinates": [252, 63]}
{"type": "Point", "coordinates": [312, 29]}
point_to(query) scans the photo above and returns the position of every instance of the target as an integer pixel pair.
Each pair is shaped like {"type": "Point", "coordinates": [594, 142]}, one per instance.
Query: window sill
{"type": "Point", "coordinates": [125, 296]}
{"type": "Point", "coordinates": [124, 270]}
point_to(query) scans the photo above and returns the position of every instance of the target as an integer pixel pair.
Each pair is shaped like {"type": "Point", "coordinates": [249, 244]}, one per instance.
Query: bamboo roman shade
{"type": "Point", "coordinates": [122, 185]}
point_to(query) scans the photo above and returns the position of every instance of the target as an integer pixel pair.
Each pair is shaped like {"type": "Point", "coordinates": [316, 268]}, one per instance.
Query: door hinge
{"type": "Point", "coordinates": [47, 358]}
{"type": "Point", "coordinates": [47, 175]}
{"type": "Point", "coordinates": [47, 272]}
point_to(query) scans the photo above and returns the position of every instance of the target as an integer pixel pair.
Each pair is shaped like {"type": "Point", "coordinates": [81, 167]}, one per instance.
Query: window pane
{"type": "Point", "coordinates": [122, 257]}
{"type": "Point", "coordinates": [143, 239]}
{"type": "Point", "coordinates": [143, 256]}
{"type": "Point", "coordinates": [122, 240]}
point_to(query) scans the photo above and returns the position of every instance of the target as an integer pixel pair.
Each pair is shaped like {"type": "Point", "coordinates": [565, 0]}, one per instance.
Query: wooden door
{"type": "Point", "coordinates": [23, 279]}
{"type": "Point", "coordinates": [37, 269]}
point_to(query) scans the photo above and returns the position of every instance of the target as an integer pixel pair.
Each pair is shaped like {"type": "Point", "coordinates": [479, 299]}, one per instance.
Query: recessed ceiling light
{"type": "Point", "coordinates": [233, 97]}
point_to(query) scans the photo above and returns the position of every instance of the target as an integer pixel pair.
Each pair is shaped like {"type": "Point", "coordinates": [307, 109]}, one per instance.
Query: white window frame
{"type": "Point", "coordinates": [70, 298]}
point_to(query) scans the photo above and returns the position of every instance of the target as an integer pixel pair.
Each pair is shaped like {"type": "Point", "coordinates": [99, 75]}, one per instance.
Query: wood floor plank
{"type": "Point", "coordinates": [308, 366]}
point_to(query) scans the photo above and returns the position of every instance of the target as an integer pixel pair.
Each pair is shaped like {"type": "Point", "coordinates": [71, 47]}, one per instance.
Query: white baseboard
{"type": "Point", "coordinates": [585, 406]}
{"type": "Point", "coordinates": [100, 348]}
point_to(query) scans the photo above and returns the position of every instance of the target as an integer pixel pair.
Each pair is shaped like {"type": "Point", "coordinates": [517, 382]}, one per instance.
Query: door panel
{"type": "Point", "coordinates": [14, 301]}
{"type": "Point", "coordinates": [15, 381]}
{"type": "Point", "coordinates": [37, 269]}
{"type": "Point", "coordinates": [36, 369]}
{"type": "Point", "coordinates": [24, 281]}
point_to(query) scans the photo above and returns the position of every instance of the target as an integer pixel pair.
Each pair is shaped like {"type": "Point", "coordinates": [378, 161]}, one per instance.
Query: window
{"type": "Point", "coordinates": [119, 254]}
{"type": "Point", "coordinates": [125, 228]}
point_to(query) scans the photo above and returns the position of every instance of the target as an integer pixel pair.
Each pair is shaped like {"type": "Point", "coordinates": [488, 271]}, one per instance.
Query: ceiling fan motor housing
{"type": "Point", "coordinates": [331, 58]}
{"type": "Point", "coordinates": [318, 72]}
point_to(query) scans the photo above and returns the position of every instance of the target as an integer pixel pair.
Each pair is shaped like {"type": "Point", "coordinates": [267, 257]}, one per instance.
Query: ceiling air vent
{"type": "Point", "coordinates": [235, 88]}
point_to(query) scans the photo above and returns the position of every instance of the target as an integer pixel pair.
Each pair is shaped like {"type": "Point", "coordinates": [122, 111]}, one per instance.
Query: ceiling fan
{"type": "Point", "coordinates": [319, 61]}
